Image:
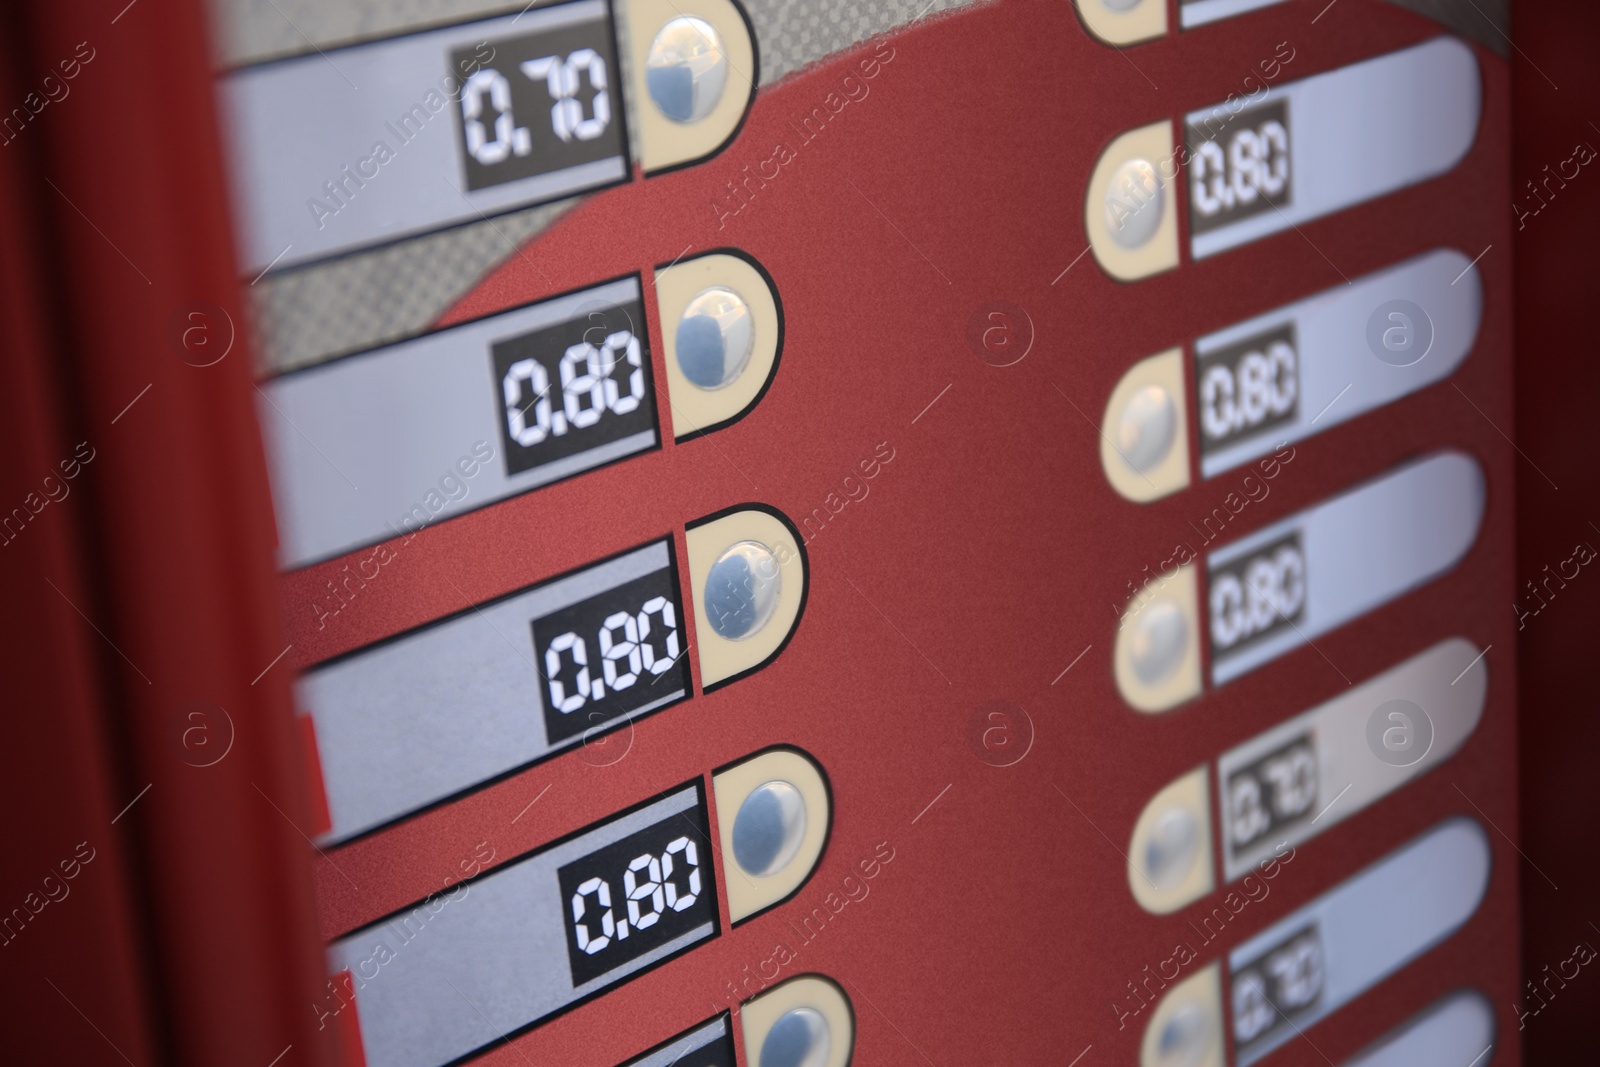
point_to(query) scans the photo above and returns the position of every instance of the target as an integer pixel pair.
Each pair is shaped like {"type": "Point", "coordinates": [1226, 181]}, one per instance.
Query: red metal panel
{"type": "Point", "coordinates": [990, 551]}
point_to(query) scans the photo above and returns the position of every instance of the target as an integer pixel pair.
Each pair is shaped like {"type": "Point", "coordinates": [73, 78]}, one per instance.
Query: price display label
{"type": "Point", "coordinates": [1283, 586]}
{"type": "Point", "coordinates": [1319, 958]}
{"type": "Point", "coordinates": [352, 147]}
{"type": "Point", "coordinates": [380, 444]}
{"type": "Point", "coordinates": [1321, 144]}
{"type": "Point", "coordinates": [1239, 167]}
{"type": "Point", "coordinates": [1270, 991]}
{"type": "Point", "coordinates": [1276, 791]}
{"type": "Point", "coordinates": [597, 649]}
{"type": "Point", "coordinates": [500, 953]}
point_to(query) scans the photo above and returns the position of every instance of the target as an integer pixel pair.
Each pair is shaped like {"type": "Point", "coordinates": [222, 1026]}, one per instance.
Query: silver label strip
{"type": "Point", "coordinates": [1285, 585]}
{"type": "Point", "coordinates": [1308, 965]}
{"type": "Point", "coordinates": [371, 143]}
{"type": "Point", "coordinates": [478, 689]}
{"type": "Point", "coordinates": [380, 444]}
{"type": "Point", "coordinates": [490, 958]}
{"type": "Point", "coordinates": [1326, 143]}
{"type": "Point", "coordinates": [1297, 371]}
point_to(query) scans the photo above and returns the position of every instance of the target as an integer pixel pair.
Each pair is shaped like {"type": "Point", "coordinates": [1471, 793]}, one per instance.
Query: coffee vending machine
{"type": "Point", "coordinates": [784, 533]}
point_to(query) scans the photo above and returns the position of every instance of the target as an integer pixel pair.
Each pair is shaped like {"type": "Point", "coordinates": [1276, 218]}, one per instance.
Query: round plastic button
{"type": "Point", "coordinates": [1134, 203]}
{"type": "Point", "coordinates": [686, 69]}
{"type": "Point", "coordinates": [742, 590]}
{"type": "Point", "coordinates": [1170, 852]}
{"type": "Point", "coordinates": [1160, 637]}
{"type": "Point", "coordinates": [716, 334]}
{"type": "Point", "coordinates": [1183, 1039]}
{"type": "Point", "coordinates": [769, 827]}
{"type": "Point", "coordinates": [1148, 425]}
{"type": "Point", "coordinates": [798, 1039]}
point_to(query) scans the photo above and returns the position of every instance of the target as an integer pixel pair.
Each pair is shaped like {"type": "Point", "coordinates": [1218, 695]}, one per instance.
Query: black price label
{"type": "Point", "coordinates": [1256, 595]}
{"type": "Point", "coordinates": [1248, 388]}
{"type": "Point", "coordinates": [611, 654]}
{"type": "Point", "coordinates": [541, 102]}
{"type": "Point", "coordinates": [1239, 164]}
{"type": "Point", "coordinates": [1275, 791]}
{"type": "Point", "coordinates": [567, 389]}
{"type": "Point", "coordinates": [634, 895]}
{"type": "Point", "coordinates": [1276, 986]}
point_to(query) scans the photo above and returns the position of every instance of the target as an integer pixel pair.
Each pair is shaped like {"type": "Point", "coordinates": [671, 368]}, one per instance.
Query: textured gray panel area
{"type": "Point", "coordinates": [789, 33]}
{"type": "Point", "coordinates": [307, 316]}
{"type": "Point", "coordinates": [371, 298]}
{"type": "Point", "coordinates": [250, 31]}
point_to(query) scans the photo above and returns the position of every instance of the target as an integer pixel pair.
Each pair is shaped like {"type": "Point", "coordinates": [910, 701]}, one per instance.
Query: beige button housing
{"type": "Point", "coordinates": [723, 659]}
{"type": "Point", "coordinates": [1157, 657]}
{"type": "Point", "coordinates": [1111, 201]}
{"type": "Point", "coordinates": [1169, 858]}
{"type": "Point", "coordinates": [1122, 22]}
{"type": "Point", "coordinates": [1148, 409]}
{"type": "Point", "coordinates": [753, 891]}
{"type": "Point", "coordinates": [1186, 1029]}
{"type": "Point", "coordinates": [663, 142]}
{"type": "Point", "coordinates": [695, 409]}
{"type": "Point", "coordinates": [817, 999]}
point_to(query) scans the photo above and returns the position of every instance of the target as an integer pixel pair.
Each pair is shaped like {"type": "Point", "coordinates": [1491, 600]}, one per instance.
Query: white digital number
{"type": "Point", "coordinates": [1255, 163]}
{"type": "Point", "coordinates": [575, 646]}
{"type": "Point", "coordinates": [1293, 777]}
{"type": "Point", "coordinates": [530, 374]}
{"type": "Point", "coordinates": [488, 88]}
{"type": "Point", "coordinates": [612, 650]}
{"type": "Point", "coordinates": [1297, 973]}
{"type": "Point", "coordinates": [1288, 980]}
{"type": "Point", "coordinates": [1272, 171]}
{"type": "Point", "coordinates": [488, 150]}
{"type": "Point", "coordinates": [1212, 196]}
{"type": "Point", "coordinates": [1274, 587]}
{"type": "Point", "coordinates": [676, 900]}
{"type": "Point", "coordinates": [626, 652]}
{"type": "Point", "coordinates": [1261, 385]}
{"type": "Point", "coordinates": [669, 624]}
{"type": "Point", "coordinates": [1244, 156]}
{"type": "Point", "coordinates": [648, 889]}
{"type": "Point", "coordinates": [1249, 815]}
{"type": "Point", "coordinates": [575, 385]}
{"type": "Point", "coordinates": [627, 345]}
{"type": "Point", "coordinates": [601, 890]}
{"type": "Point", "coordinates": [561, 79]}
{"type": "Point", "coordinates": [589, 389]}
{"type": "Point", "coordinates": [1253, 1013]}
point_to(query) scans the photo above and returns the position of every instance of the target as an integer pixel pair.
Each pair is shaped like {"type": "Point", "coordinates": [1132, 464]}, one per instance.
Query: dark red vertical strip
{"type": "Point", "coordinates": [130, 191]}
{"type": "Point", "coordinates": [72, 966]}
{"type": "Point", "coordinates": [1556, 212]}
